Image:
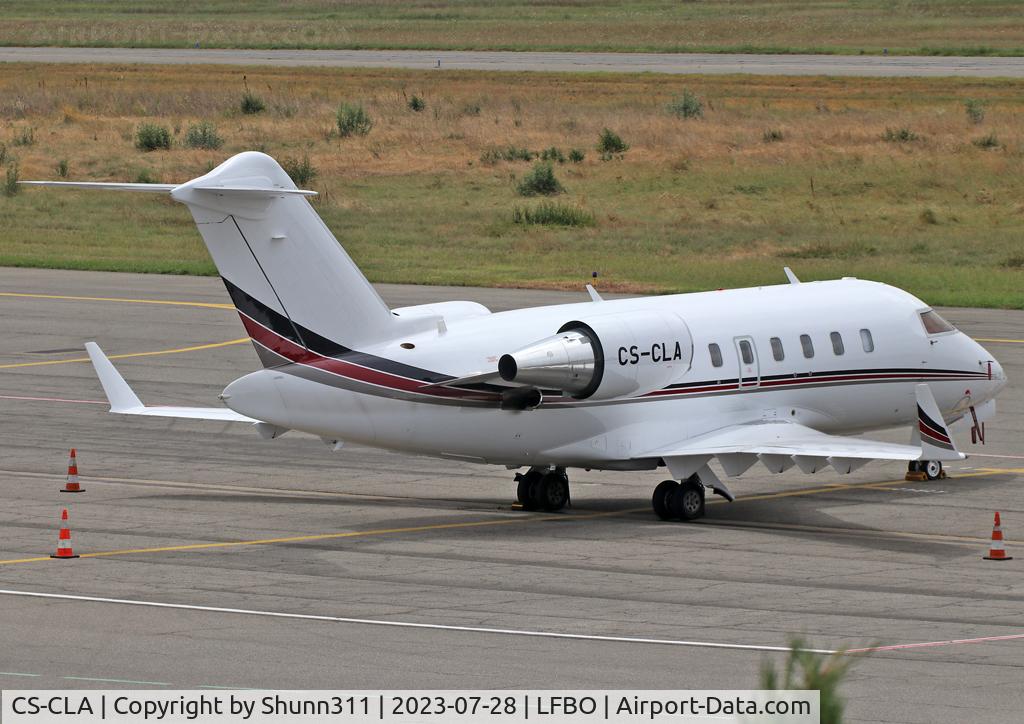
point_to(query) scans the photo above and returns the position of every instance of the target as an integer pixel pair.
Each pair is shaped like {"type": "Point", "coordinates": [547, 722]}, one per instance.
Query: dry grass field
{"type": "Point", "coordinates": [779, 26]}
{"type": "Point", "coordinates": [778, 171]}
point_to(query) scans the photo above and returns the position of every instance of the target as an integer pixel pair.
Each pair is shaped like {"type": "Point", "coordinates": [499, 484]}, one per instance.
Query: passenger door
{"type": "Point", "coordinates": [746, 355]}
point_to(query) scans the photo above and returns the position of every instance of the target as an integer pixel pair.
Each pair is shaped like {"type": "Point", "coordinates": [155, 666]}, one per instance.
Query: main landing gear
{"type": "Point", "coordinates": [543, 489]}
{"type": "Point", "coordinates": [683, 501]}
{"type": "Point", "coordinates": [932, 469]}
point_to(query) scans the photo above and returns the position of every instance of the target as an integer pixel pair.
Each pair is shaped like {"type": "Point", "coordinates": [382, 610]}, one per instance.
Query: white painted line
{"type": "Point", "coordinates": [410, 624]}
{"type": "Point", "coordinates": [16, 673]}
{"type": "Point", "coordinates": [929, 644]}
{"type": "Point", "coordinates": [116, 681]}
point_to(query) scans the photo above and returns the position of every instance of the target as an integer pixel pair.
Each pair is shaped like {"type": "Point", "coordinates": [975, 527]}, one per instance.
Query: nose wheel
{"type": "Point", "coordinates": [543, 489]}
{"type": "Point", "coordinates": [679, 501]}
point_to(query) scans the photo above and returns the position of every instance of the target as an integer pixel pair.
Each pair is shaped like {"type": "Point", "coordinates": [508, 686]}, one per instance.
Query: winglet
{"type": "Point", "coordinates": [936, 442]}
{"type": "Point", "coordinates": [594, 296]}
{"type": "Point", "coordinates": [120, 395]}
{"type": "Point", "coordinates": [790, 275]}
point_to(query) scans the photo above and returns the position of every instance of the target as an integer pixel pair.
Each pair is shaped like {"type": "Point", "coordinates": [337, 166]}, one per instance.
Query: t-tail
{"type": "Point", "coordinates": [294, 286]}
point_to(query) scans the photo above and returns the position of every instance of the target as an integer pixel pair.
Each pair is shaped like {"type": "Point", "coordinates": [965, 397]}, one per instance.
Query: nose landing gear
{"type": "Point", "coordinates": [543, 489]}
{"type": "Point", "coordinates": [682, 501]}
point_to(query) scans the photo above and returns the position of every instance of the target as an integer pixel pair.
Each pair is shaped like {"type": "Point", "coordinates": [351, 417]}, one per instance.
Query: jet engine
{"type": "Point", "coordinates": [604, 356]}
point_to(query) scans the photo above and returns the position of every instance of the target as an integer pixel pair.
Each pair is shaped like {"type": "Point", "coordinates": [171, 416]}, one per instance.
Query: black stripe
{"type": "Point", "coordinates": [263, 314]}
{"type": "Point", "coordinates": [930, 422]}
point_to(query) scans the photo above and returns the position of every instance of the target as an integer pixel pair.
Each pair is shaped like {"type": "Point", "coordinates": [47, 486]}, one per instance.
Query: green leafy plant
{"type": "Point", "coordinates": [540, 181]}
{"type": "Point", "coordinates": [809, 671]}
{"type": "Point", "coordinates": [251, 103]}
{"type": "Point", "coordinates": [301, 170]}
{"type": "Point", "coordinates": [151, 137]}
{"type": "Point", "coordinates": [353, 120]}
{"type": "Point", "coordinates": [494, 154]}
{"type": "Point", "coordinates": [25, 137]}
{"type": "Point", "coordinates": [549, 213]}
{"type": "Point", "coordinates": [899, 135]}
{"type": "Point", "coordinates": [62, 168]}
{"type": "Point", "coordinates": [989, 141]}
{"type": "Point", "coordinates": [688, 105]}
{"type": "Point", "coordinates": [610, 144]}
{"type": "Point", "coordinates": [203, 135]}
{"type": "Point", "coordinates": [552, 154]}
{"type": "Point", "coordinates": [145, 176]}
{"type": "Point", "coordinates": [975, 110]}
{"type": "Point", "coordinates": [576, 155]}
{"type": "Point", "coordinates": [772, 135]}
{"type": "Point", "coordinates": [11, 180]}
{"type": "Point", "coordinates": [417, 104]}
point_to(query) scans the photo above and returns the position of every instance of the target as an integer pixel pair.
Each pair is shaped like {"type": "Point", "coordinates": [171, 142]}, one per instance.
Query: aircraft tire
{"type": "Point", "coordinates": [552, 491]}
{"type": "Point", "coordinates": [524, 488]}
{"type": "Point", "coordinates": [687, 503]}
{"type": "Point", "coordinates": [661, 499]}
{"type": "Point", "coordinates": [932, 469]}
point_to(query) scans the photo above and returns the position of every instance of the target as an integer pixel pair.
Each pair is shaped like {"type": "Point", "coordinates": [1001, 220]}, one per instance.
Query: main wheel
{"type": "Point", "coordinates": [933, 469]}
{"type": "Point", "coordinates": [662, 495]}
{"type": "Point", "coordinates": [688, 501]}
{"type": "Point", "coordinates": [525, 483]}
{"type": "Point", "coordinates": [551, 492]}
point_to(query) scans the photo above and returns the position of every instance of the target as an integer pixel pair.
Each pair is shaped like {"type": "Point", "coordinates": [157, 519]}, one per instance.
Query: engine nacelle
{"type": "Point", "coordinates": [603, 356]}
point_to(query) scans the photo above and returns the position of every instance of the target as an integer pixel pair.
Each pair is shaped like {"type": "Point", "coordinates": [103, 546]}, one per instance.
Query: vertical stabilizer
{"type": "Point", "coordinates": [294, 285]}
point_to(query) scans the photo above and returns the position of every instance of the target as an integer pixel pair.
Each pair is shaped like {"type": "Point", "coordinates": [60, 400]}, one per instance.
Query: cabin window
{"type": "Point", "coordinates": [808, 345]}
{"type": "Point", "coordinates": [777, 352]}
{"type": "Point", "coordinates": [746, 352]}
{"type": "Point", "coordinates": [866, 340]}
{"type": "Point", "coordinates": [934, 324]}
{"type": "Point", "coordinates": [837, 343]}
{"type": "Point", "coordinates": [716, 354]}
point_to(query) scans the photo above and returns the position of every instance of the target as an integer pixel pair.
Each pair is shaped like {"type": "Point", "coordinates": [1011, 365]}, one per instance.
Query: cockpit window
{"type": "Point", "coordinates": [934, 324]}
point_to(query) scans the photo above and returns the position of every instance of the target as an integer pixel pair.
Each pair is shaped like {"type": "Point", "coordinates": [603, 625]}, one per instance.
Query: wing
{"type": "Point", "coordinates": [779, 445]}
{"type": "Point", "coordinates": [123, 399]}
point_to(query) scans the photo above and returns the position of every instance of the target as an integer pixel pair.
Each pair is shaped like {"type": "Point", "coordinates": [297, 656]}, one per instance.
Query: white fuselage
{"type": "Point", "coordinates": [869, 385]}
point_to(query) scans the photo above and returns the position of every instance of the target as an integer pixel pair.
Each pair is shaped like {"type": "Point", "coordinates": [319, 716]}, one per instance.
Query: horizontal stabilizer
{"type": "Point", "coordinates": [124, 401]}
{"type": "Point", "coordinates": [103, 185]}
{"type": "Point", "coordinates": [936, 442]}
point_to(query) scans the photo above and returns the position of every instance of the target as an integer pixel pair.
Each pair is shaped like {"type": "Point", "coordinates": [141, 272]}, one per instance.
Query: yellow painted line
{"type": "Point", "coordinates": [335, 536]}
{"type": "Point", "coordinates": [1004, 341]}
{"type": "Point", "coordinates": [207, 305]}
{"type": "Point", "coordinates": [487, 523]}
{"type": "Point", "coordinates": [196, 348]}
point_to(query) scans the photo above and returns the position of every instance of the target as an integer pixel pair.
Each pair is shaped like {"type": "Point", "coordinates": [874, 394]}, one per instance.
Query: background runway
{"type": "Point", "coordinates": [675, 63]}
{"type": "Point", "coordinates": [206, 515]}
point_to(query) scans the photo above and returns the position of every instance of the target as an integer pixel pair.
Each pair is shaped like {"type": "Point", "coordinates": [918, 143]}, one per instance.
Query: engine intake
{"type": "Point", "coordinates": [605, 356]}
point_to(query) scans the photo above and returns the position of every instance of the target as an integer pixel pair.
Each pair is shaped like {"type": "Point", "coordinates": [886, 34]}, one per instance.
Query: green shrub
{"type": "Point", "coordinates": [11, 181]}
{"type": "Point", "coordinates": [203, 135]}
{"type": "Point", "coordinates": [145, 176]}
{"type": "Point", "coordinates": [353, 120]}
{"type": "Point", "coordinates": [899, 135]}
{"type": "Point", "coordinates": [3, 154]}
{"type": "Point", "coordinates": [550, 213]}
{"type": "Point", "coordinates": [301, 171]}
{"type": "Point", "coordinates": [25, 137]}
{"type": "Point", "coordinates": [251, 103]}
{"type": "Point", "coordinates": [540, 181]}
{"type": "Point", "coordinates": [417, 104]}
{"type": "Point", "coordinates": [494, 154]}
{"type": "Point", "coordinates": [611, 144]}
{"type": "Point", "coordinates": [928, 216]}
{"type": "Point", "coordinates": [552, 154]}
{"type": "Point", "coordinates": [688, 105]}
{"type": "Point", "coordinates": [810, 671]}
{"type": "Point", "coordinates": [471, 109]}
{"type": "Point", "coordinates": [772, 135]}
{"type": "Point", "coordinates": [975, 110]}
{"type": "Point", "coordinates": [989, 141]}
{"type": "Point", "coordinates": [150, 137]}
{"type": "Point", "coordinates": [576, 155]}
{"type": "Point", "coordinates": [62, 168]}
{"type": "Point", "coordinates": [1014, 262]}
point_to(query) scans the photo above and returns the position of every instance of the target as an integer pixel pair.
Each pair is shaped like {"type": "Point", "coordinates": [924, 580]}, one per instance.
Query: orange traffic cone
{"type": "Point", "coordinates": [72, 485]}
{"type": "Point", "coordinates": [996, 552]}
{"type": "Point", "coordinates": [64, 539]}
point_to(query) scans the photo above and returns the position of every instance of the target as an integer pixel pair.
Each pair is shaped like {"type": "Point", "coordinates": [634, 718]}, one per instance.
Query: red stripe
{"type": "Point", "coordinates": [924, 427]}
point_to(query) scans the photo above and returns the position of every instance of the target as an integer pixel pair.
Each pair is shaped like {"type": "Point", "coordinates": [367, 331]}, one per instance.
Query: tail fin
{"type": "Point", "coordinates": [291, 281]}
{"type": "Point", "coordinates": [936, 442]}
{"type": "Point", "coordinates": [295, 288]}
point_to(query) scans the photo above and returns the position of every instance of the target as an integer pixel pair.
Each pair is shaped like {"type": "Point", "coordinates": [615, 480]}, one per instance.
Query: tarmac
{"type": "Point", "coordinates": [212, 558]}
{"type": "Point", "coordinates": [672, 63]}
